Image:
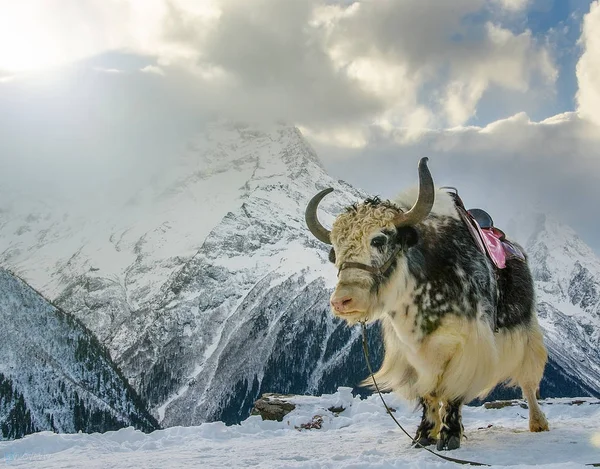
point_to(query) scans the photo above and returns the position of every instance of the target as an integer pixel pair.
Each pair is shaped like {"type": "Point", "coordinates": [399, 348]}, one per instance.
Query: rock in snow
{"type": "Point", "coordinates": [208, 290]}
{"type": "Point", "coordinates": [273, 406]}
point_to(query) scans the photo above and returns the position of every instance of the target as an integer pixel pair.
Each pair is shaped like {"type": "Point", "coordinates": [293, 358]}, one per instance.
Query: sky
{"type": "Point", "coordinates": [503, 96]}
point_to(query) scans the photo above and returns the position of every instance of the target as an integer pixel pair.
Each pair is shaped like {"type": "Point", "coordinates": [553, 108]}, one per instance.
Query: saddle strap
{"type": "Point", "coordinates": [469, 222]}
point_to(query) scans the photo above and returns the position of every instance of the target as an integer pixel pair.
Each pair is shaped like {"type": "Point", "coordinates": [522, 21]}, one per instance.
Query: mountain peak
{"type": "Point", "coordinates": [557, 247]}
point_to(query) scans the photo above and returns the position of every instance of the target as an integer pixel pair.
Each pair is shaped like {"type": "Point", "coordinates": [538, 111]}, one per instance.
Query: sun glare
{"type": "Point", "coordinates": [25, 43]}
{"type": "Point", "coordinates": [37, 34]}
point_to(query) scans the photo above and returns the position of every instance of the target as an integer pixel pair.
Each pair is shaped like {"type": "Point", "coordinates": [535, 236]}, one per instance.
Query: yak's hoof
{"type": "Point", "coordinates": [449, 443]}
{"type": "Point", "coordinates": [540, 425]}
{"type": "Point", "coordinates": [423, 441]}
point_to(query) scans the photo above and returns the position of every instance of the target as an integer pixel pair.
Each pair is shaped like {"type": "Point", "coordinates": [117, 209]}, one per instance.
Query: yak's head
{"type": "Point", "coordinates": [369, 241]}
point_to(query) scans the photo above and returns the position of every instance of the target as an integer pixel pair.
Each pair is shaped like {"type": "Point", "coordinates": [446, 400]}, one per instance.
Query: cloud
{"type": "Point", "coordinates": [108, 70]}
{"type": "Point", "coordinates": [274, 61]}
{"type": "Point", "coordinates": [509, 166]}
{"type": "Point", "coordinates": [513, 5]}
{"type": "Point", "coordinates": [6, 76]}
{"type": "Point", "coordinates": [430, 55]}
{"type": "Point", "coordinates": [322, 65]}
{"type": "Point", "coordinates": [153, 69]}
{"type": "Point", "coordinates": [77, 133]}
{"type": "Point", "coordinates": [38, 34]}
{"type": "Point", "coordinates": [588, 67]}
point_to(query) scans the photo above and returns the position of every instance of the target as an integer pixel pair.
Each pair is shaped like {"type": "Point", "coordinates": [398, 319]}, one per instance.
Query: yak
{"type": "Point", "coordinates": [453, 324]}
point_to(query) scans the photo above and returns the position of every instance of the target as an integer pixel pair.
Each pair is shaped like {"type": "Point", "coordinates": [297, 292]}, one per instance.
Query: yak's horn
{"type": "Point", "coordinates": [315, 227]}
{"type": "Point", "coordinates": [424, 202]}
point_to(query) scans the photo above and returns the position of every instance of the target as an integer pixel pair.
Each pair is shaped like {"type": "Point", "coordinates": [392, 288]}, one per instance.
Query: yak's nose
{"type": "Point", "coordinates": [342, 304]}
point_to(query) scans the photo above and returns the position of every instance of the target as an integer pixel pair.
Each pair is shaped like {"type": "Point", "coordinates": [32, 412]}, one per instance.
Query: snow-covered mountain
{"type": "Point", "coordinates": [205, 284]}
{"type": "Point", "coordinates": [54, 374]}
{"type": "Point", "coordinates": [567, 276]}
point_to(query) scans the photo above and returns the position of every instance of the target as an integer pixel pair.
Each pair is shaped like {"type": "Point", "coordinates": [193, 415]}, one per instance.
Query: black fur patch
{"type": "Point", "coordinates": [407, 236]}
{"type": "Point", "coordinates": [424, 434]}
{"type": "Point", "coordinates": [373, 202]}
{"type": "Point", "coordinates": [516, 299]}
{"type": "Point", "coordinates": [332, 256]}
{"type": "Point", "coordinates": [453, 276]}
{"type": "Point", "coordinates": [452, 427]}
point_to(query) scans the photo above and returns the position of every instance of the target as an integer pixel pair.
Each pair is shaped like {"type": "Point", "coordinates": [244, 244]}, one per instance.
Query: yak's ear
{"type": "Point", "coordinates": [407, 236]}
{"type": "Point", "coordinates": [332, 256]}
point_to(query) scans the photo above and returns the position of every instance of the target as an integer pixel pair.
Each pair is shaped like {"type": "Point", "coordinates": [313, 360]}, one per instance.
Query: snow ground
{"type": "Point", "coordinates": [362, 436]}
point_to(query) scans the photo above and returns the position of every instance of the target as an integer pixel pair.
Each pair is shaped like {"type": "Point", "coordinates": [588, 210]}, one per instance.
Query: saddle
{"type": "Point", "coordinates": [489, 239]}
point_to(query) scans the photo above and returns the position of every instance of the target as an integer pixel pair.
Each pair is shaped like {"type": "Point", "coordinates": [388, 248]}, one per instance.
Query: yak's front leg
{"type": "Point", "coordinates": [452, 428]}
{"type": "Point", "coordinates": [430, 422]}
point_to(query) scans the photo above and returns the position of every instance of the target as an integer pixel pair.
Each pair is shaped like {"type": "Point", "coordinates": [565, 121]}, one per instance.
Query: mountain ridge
{"type": "Point", "coordinates": [54, 374]}
{"type": "Point", "coordinates": [209, 290]}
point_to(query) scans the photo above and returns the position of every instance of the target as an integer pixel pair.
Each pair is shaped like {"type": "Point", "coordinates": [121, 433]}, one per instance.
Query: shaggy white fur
{"type": "Point", "coordinates": [443, 205]}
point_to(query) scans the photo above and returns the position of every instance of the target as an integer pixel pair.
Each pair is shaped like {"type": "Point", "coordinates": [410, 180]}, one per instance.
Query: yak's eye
{"type": "Point", "coordinates": [332, 256]}
{"type": "Point", "coordinates": [378, 241]}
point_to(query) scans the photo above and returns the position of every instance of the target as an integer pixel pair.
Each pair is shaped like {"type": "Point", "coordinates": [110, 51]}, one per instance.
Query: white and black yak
{"type": "Point", "coordinates": [454, 325]}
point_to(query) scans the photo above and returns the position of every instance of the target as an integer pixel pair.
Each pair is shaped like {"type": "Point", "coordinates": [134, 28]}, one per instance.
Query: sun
{"type": "Point", "coordinates": [26, 42]}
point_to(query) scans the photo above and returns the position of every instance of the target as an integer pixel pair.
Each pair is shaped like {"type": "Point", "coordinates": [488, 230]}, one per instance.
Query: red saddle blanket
{"type": "Point", "coordinates": [491, 241]}
{"type": "Point", "coordinates": [496, 246]}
